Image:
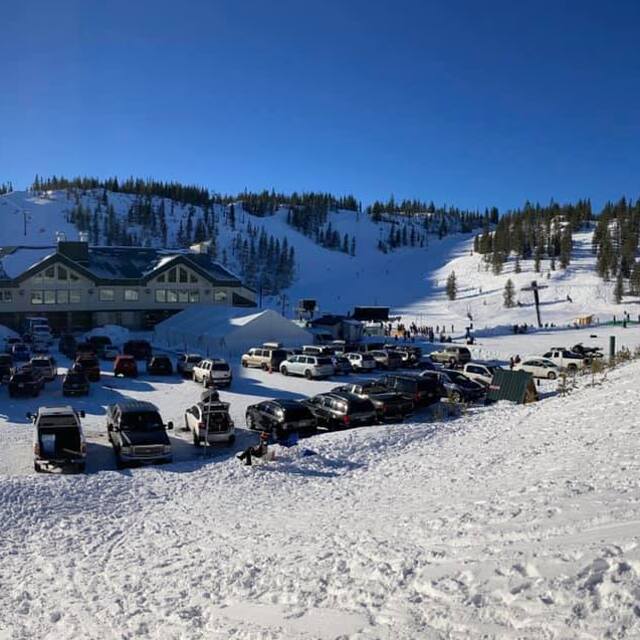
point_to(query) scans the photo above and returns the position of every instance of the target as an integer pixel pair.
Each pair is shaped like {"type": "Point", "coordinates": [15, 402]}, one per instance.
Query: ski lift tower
{"type": "Point", "coordinates": [535, 287]}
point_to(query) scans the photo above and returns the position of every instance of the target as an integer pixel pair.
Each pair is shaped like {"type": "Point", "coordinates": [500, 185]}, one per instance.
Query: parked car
{"type": "Point", "coordinates": [58, 439]}
{"type": "Point", "coordinates": [338, 410]}
{"type": "Point", "coordinates": [281, 417]}
{"type": "Point", "coordinates": [138, 434]}
{"type": "Point", "coordinates": [213, 372]}
{"type": "Point", "coordinates": [160, 366]}
{"type": "Point", "coordinates": [75, 383]}
{"type": "Point", "coordinates": [361, 361]}
{"type": "Point", "coordinates": [90, 365]}
{"type": "Point", "coordinates": [341, 365]}
{"type": "Point", "coordinates": [421, 390]}
{"type": "Point", "coordinates": [308, 366]}
{"type": "Point", "coordinates": [457, 386]}
{"type": "Point", "coordinates": [24, 384]}
{"type": "Point", "coordinates": [99, 343]}
{"type": "Point", "coordinates": [409, 354]}
{"type": "Point", "coordinates": [566, 359]}
{"type": "Point", "coordinates": [539, 368]}
{"type": "Point", "coordinates": [267, 357]}
{"type": "Point", "coordinates": [590, 353]}
{"type": "Point", "coordinates": [20, 352]}
{"type": "Point", "coordinates": [452, 355]}
{"type": "Point", "coordinates": [139, 349]}
{"type": "Point", "coordinates": [480, 372]}
{"type": "Point", "coordinates": [46, 366]}
{"type": "Point", "coordinates": [186, 362]}
{"type": "Point", "coordinates": [9, 342]}
{"type": "Point", "coordinates": [388, 404]}
{"type": "Point", "coordinates": [126, 366]}
{"type": "Point", "coordinates": [210, 422]}
{"type": "Point", "coordinates": [386, 358]}
{"type": "Point", "coordinates": [6, 365]}
{"type": "Point", "coordinates": [67, 345]}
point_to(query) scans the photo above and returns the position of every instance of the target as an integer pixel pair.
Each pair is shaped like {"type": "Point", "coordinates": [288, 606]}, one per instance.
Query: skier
{"type": "Point", "coordinates": [259, 451]}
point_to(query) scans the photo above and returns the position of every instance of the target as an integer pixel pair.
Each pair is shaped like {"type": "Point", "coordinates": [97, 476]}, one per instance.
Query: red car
{"type": "Point", "coordinates": [125, 366]}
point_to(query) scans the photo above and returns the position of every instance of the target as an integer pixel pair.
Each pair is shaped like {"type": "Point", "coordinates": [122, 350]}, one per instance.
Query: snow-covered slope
{"type": "Point", "coordinates": [508, 522]}
{"type": "Point", "coordinates": [410, 279]}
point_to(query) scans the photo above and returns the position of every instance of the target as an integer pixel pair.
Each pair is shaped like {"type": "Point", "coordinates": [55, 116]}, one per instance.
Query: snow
{"type": "Point", "coordinates": [117, 334]}
{"type": "Point", "coordinates": [507, 521]}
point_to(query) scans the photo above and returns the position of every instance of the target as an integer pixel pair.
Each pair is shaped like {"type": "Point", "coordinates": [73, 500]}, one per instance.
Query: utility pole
{"type": "Point", "coordinates": [24, 216]}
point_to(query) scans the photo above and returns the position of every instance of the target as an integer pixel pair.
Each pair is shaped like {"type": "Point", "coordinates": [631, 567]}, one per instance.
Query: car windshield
{"type": "Point", "coordinates": [141, 421]}
{"type": "Point", "coordinates": [458, 378]}
{"type": "Point", "coordinates": [194, 359]}
{"type": "Point", "coordinates": [367, 357]}
{"type": "Point", "coordinates": [21, 377]}
{"type": "Point", "coordinates": [219, 366]}
{"type": "Point", "coordinates": [324, 361]}
{"type": "Point", "coordinates": [360, 405]}
{"type": "Point", "coordinates": [88, 362]}
{"type": "Point", "coordinates": [374, 388]}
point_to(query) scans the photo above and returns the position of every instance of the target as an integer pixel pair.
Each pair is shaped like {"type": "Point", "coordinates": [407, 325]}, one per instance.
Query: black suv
{"type": "Point", "coordinates": [139, 349]}
{"type": "Point", "coordinates": [75, 383]}
{"type": "Point", "coordinates": [90, 365]}
{"type": "Point", "coordinates": [341, 410]}
{"type": "Point", "coordinates": [388, 404]}
{"type": "Point", "coordinates": [422, 391]}
{"type": "Point", "coordinates": [99, 343]}
{"type": "Point", "coordinates": [137, 433]}
{"type": "Point", "coordinates": [24, 384]}
{"type": "Point", "coordinates": [160, 366]}
{"type": "Point", "coordinates": [281, 417]}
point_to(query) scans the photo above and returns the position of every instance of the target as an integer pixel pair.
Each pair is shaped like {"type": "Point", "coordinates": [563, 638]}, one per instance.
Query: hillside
{"type": "Point", "coordinates": [410, 279]}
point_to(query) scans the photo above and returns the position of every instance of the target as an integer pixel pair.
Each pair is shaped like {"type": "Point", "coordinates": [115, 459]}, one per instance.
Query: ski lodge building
{"type": "Point", "coordinates": [78, 287]}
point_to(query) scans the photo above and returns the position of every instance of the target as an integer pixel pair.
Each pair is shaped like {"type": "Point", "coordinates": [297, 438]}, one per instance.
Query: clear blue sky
{"type": "Point", "coordinates": [469, 103]}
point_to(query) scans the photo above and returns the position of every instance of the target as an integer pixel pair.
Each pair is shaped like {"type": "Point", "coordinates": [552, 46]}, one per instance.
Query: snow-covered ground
{"type": "Point", "coordinates": [509, 522]}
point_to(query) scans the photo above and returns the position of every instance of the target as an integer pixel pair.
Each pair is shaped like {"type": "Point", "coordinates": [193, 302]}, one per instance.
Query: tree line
{"type": "Point", "coordinates": [5, 187]}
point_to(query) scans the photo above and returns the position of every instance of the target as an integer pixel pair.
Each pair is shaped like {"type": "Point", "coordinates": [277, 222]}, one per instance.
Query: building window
{"type": "Point", "coordinates": [74, 297]}
{"type": "Point", "coordinates": [194, 296]}
{"type": "Point", "coordinates": [219, 296]}
{"type": "Point", "coordinates": [62, 296]}
{"type": "Point", "coordinates": [73, 277]}
{"type": "Point", "coordinates": [192, 278]}
{"type": "Point", "coordinates": [63, 274]}
{"type": "Point", "coordinates": [50, 273]}
{"type": "Point", "coordinates": [107, 295]}
{"type": "Point", "coordinates": [37, 297]}
{"type": "Point", "coordinates": [7, 296]}
{"type": "Point", "coordinates": [171, 276]}
{"type": "Point", "coordinates": [172, 295]}
{"type": "Point", "coordinates": [161, 295]}
{"type": "Point", "coordinates": [184, 276]}
{"type": "Point", "coordinates": [161, 278]}
{"type": "Point", "coordinates": [49, 296]}
{"type": "Point", "coordinates": [183, 296]}
{"type": "Point", "coordinates": [131, 295]}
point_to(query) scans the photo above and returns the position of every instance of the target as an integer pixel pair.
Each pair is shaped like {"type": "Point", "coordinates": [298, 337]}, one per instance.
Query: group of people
{"type": "Point", "coordinates": [412, 331]}
{"type": "Point", "coordinates": [514, 361]}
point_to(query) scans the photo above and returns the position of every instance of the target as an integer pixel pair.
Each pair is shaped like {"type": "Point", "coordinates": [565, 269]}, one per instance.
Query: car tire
{"type": "Point", "coordinates": [284, 371]}
{"type": "Point", "coordinates": [572, 367]}
{"type": "Point", "coordinates": [119, 462]}
{"type": "Point", "coordinates": [231, 440]}
{"type": "Point", "coordinates": [186, 424]}
{"type": "Point", "coordinates": [263, 366]}
{"type": "Point", "coordinates": [196, 440]}
{"type": "Point", "coordinates": [551, 375]}
{"type": "Point", "coordinates": [37, 468]}
{"type": "Point", "coordinates": [456, 397]}
{"type": "Point", "coordinates": [308, 375]}
{"type": "Point", "coordinates": [81, 467]}
{"type": "Point", "coordinates": [251, 422]}
{"type": "Point", "coordinates": [244, 363]}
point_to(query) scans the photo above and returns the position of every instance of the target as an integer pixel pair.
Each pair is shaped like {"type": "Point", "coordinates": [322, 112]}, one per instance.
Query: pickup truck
{"type": "Point", "coordinates": [566, 359]}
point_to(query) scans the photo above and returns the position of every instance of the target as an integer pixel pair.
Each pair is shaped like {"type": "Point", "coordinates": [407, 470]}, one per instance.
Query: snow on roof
{"type": "Point", "coordinates": [17, 261]}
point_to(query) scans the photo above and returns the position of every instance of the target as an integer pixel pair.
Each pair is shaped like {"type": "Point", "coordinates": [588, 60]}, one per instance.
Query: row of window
{"type": "Point", "coordinates": [178, 274]}
{"type": "Point", "coordinates": [55, 273]}
{"type": "Point", "coordinates": [55, 296]}
{"type": "Point", "coordinates": [72, 296]}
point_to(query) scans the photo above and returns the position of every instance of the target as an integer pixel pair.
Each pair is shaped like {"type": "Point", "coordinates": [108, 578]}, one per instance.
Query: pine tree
{"type": "Point", "coordinates": [634, 280]}
{"type": "Point", "coordinates": [509, 294]}
{"type": "Point", "coordinates": [452, 286]}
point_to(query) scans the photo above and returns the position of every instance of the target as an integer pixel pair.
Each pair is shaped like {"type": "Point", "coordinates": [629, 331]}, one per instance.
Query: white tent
{"type": "Point", "coordinates": [225, 331]}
